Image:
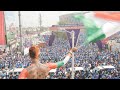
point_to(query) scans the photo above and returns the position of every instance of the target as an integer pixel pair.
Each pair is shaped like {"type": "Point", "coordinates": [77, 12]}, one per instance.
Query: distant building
{"type": "Point", "coordinates": [69, 19]}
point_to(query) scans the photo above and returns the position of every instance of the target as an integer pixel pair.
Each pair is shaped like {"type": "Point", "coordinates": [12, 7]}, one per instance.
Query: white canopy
{"type": "Point", "coordinates": [20, 69]}
{"type": "Point", "coordinates": [103, 67]}
{"type": "Point", "coordinates": [26, 51]}
{"type": "Point", "coordinates": [100, 67]}
{"type": "Point", "coordinates": [17, 70]}
{"type": "Point", "coordinates": [77, 68]}
{"type": "Point", "coordinates": [108, 67]}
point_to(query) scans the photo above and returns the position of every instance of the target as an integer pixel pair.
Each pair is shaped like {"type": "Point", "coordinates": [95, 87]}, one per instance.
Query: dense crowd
{"type": "Point", "coordinates": [87, 57]}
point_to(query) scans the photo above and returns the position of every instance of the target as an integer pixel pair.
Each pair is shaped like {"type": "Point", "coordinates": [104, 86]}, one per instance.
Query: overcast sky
{"type": "Point", "coordinates": [31, 18]}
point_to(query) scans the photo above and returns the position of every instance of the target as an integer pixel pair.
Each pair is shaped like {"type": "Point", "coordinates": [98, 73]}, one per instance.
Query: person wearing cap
{"type": "Point", "coordinates": [38, 70]}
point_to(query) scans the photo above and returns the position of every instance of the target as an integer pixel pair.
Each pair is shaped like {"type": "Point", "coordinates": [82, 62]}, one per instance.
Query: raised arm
{"type": "Point", "coordinates": [61, 63]}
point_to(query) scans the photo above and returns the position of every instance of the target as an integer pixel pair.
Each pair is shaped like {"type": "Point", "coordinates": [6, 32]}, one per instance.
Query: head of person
{"type": "Point", "coordinates": [34, 52]}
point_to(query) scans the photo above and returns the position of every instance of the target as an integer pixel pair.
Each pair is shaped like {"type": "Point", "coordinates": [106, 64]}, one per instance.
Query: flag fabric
{"type": "Point", "coordinates": [2, 30]}
{"type": "Point", "coordinates": [99, 44]}
{"type": "Point", "coordinates": [99, 25]}
{"type": "Point", "coordinates": [51, 39]}
{"type": "Point", "coordinates": [76, 33]}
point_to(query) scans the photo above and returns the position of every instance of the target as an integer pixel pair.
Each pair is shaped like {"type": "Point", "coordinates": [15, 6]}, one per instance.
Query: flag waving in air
{"type": "Point", "coordinates": [99, 25]}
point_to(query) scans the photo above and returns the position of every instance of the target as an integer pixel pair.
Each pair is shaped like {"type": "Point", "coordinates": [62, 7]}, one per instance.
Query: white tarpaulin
{"type": "Point", "coordinates": [108, 67]}
{"type": "Point", "coordinates": [77, 68]}
{"type": "Point", "coordinates": [16, 70]}
{"type": "Point", "coordinates": [26, 51]}
{"type": "Point", "coordinates": [100, 67]}
{"type": "Point", "coordinates": [103, 67]}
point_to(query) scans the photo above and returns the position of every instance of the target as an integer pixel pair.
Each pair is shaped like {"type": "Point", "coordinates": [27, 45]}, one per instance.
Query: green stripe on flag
{"type": "Point", "coordinates": [96, 36]}
{"type": "Point", "coordinates": [93, 32]}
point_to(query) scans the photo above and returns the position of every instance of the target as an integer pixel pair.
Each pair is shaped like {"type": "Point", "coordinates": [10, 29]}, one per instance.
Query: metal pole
{"type": "Point", "coordinates": [5, 29]}
{"type": "Point", "coordinates": [40, 21]}
{"type": "Point", "coordinates": [72, 55]}
{"type": "Point", "coordinates": [19, 14]}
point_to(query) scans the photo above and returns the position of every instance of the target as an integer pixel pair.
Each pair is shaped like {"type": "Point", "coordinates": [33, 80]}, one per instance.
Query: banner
{"type": "Point", "coordinates": [51, 39]}
{"type": "Point", "coordinates": [76, 31]}
{"type": "Point", "coordinates": [2, 30]}
{"type": "Point", "coordinates": [99, 44]}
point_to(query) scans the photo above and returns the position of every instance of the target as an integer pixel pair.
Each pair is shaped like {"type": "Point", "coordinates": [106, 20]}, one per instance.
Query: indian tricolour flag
{"type": "Point", "coordinates": [99, 25]}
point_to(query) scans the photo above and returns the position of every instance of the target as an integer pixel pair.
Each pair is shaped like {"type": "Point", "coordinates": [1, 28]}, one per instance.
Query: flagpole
{"type": "Point", "coordinates": [73, 55]}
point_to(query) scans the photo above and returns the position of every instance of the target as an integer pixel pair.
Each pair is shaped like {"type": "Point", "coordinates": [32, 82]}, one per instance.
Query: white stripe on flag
{"type": "Point", "coordinates": [110, 28]}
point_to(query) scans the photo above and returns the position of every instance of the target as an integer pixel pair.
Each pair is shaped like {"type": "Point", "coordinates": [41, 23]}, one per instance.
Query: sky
{"type": "Point", "coordinates": [31, 18]}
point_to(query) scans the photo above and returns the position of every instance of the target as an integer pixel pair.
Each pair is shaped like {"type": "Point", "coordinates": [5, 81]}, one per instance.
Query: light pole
{"type": "Point", "coordinates": [5, 28]}
{"type": "Point", "coordinates": [19, 14]}
{"type": "Point", "coordinates": [40, 22]}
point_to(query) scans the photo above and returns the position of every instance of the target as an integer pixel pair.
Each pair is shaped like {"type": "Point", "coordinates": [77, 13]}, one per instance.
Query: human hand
{"type": "Point", "coordinates": [74, 49]}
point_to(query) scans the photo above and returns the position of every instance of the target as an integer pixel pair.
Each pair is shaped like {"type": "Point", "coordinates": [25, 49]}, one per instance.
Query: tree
{"type": "Point", "coordinates": [60, 35]}
{"type": "Point", "coordinates": [62, 22]}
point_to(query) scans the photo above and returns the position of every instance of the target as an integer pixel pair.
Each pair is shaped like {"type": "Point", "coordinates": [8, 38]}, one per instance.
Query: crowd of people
{"type": "Point", "coordinates": [87, 57]}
